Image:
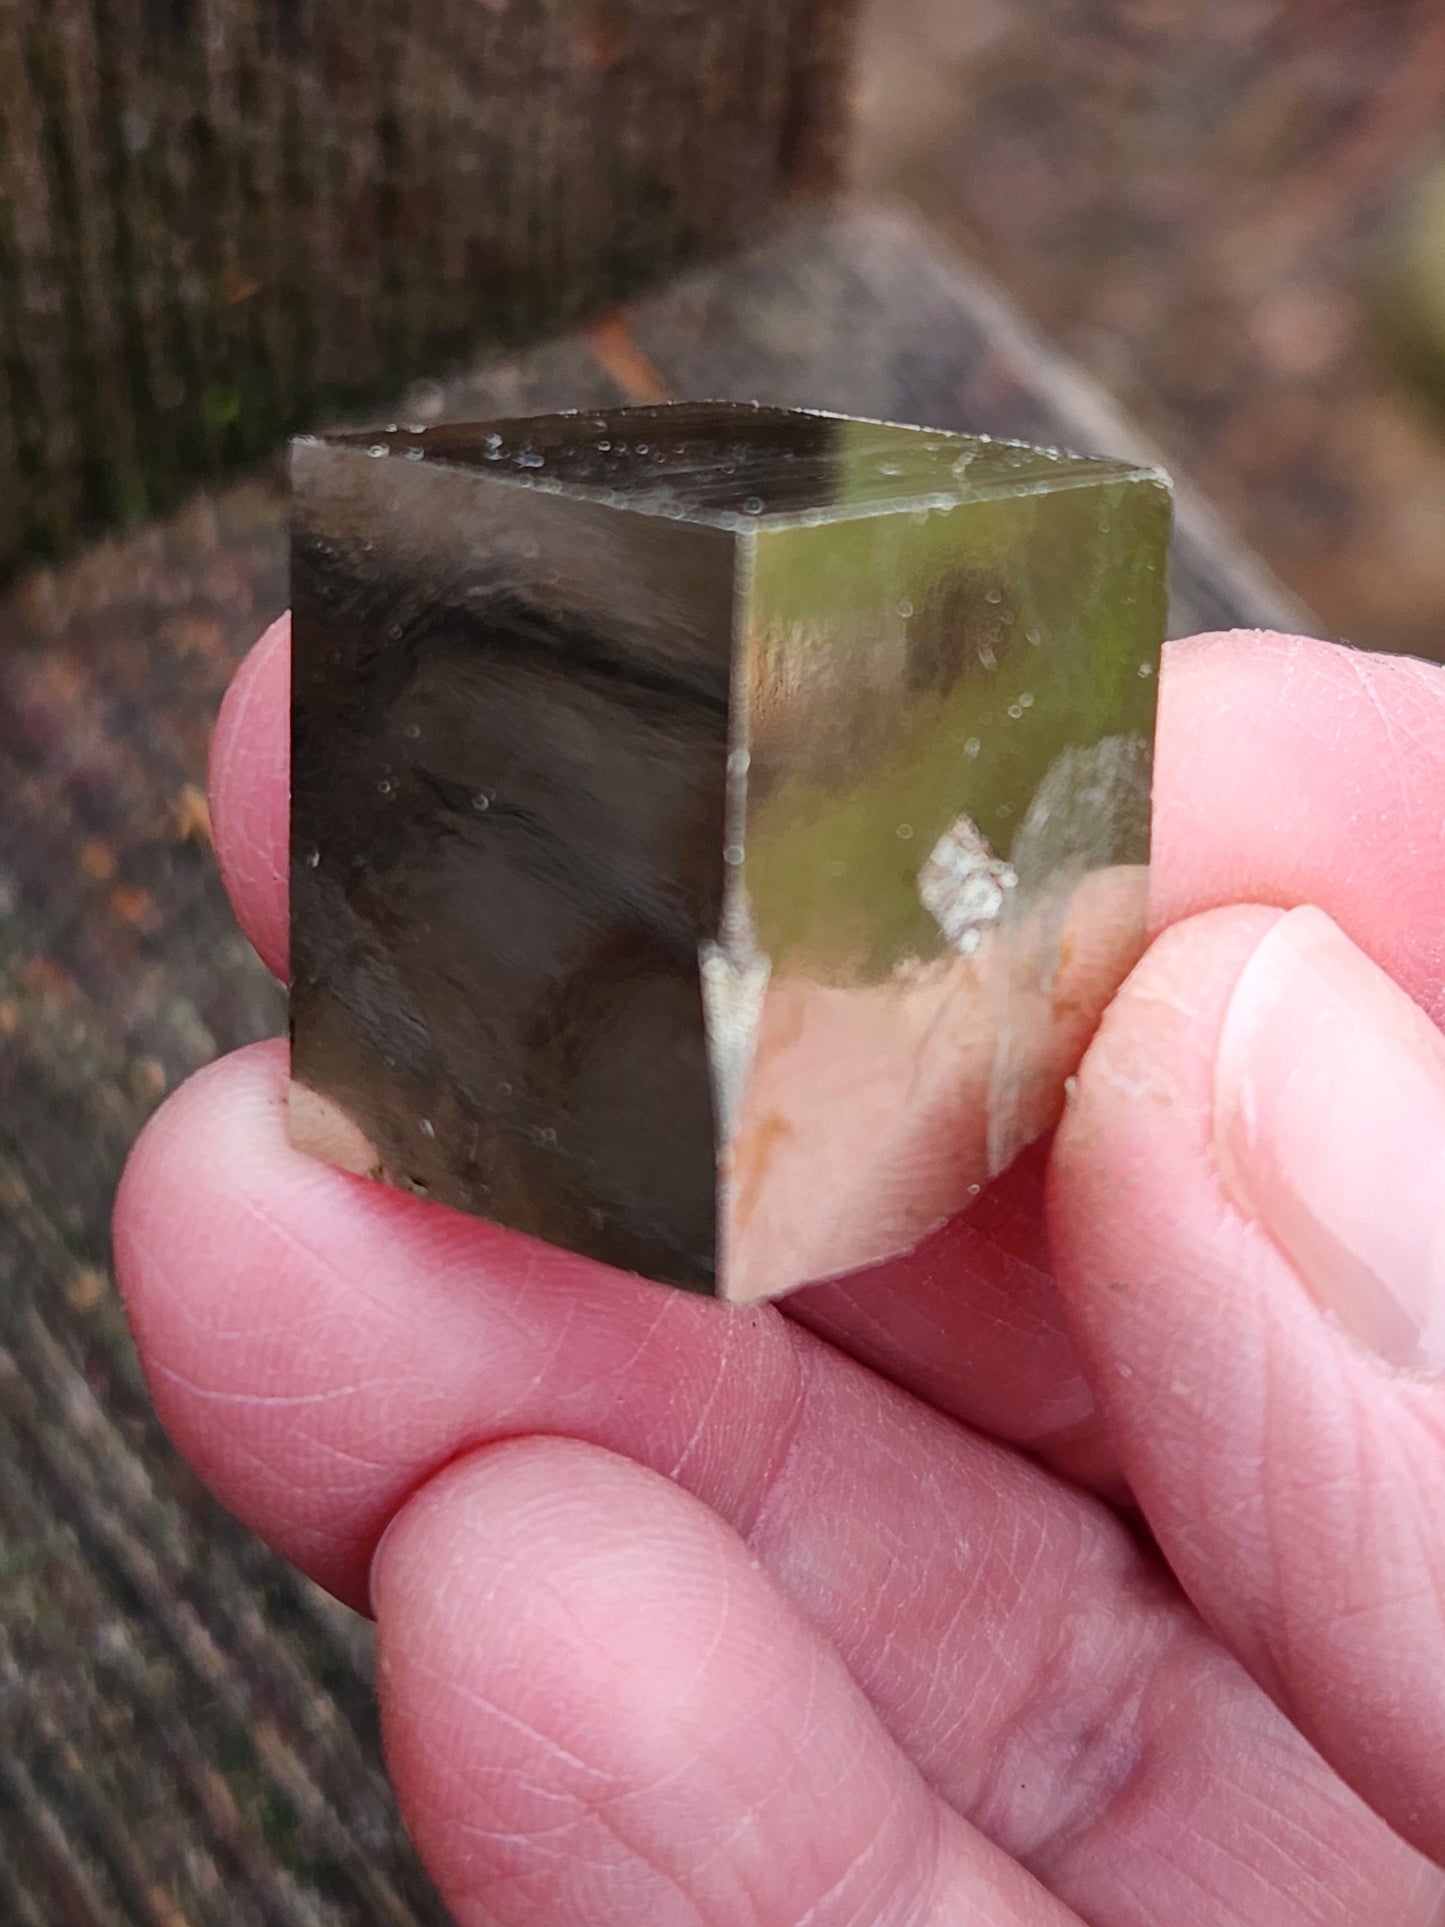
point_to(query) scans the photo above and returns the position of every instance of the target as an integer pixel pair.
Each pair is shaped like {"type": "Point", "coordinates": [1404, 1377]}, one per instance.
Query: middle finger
{"type": "Point", "coordinates": [320, 1347]}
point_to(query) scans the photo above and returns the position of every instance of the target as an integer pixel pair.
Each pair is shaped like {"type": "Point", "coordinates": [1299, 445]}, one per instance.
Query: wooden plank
{"type": "Point", "coordinates": [218, 215]}
{"type": "Point", "coordinates": [188, 1729]}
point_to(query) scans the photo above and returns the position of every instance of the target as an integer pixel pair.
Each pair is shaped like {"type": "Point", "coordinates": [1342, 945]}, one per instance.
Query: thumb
{"type": "Point", "coordinates": [1248, 1211]}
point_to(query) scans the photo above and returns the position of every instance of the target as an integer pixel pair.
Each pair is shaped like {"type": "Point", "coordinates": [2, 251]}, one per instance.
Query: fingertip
{"type": "Point", "coordinates": [564, 1508]}
{"type": "Point", "coordinates": [1291, 771]}
{"type": "Point", "coordinates": [1151, 1060]}
{"type": "Point", "coordinates": [250, 778]}
{"type": "Point", "coordinates": [1330, 1132]}
{"type": "Point", "coordinates": [214, 1142]}
{"type": "Point", "coordinates": [1137, 1215]}
{"type": "Point", "coordinates": [209, 1235]}
{"type": "Point", "coordinates": [597, 1707]}
{"type": "Point", "coordinates": [206, 1128]}
{"type": "Point", "coordinates": [1238, 1224]}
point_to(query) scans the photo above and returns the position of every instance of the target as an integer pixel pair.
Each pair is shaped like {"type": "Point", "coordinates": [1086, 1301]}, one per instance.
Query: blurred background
{"type": "Point", "coordinates": [1231, 213]}
{"type": "Point", "coordinates": [220, 218]}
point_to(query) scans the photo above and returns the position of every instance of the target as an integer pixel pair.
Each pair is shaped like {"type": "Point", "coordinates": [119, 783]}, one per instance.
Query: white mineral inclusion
{"type": "Point", "coordinates": [964, 886]}
{"type": "Point", "coordinates": [735, 977]}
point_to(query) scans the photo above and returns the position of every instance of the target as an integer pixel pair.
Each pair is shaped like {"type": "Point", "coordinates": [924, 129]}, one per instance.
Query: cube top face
{"type": "Point", "coordinates": [737, 465]}
{"type": "Point", "coordinates": [705, 858]}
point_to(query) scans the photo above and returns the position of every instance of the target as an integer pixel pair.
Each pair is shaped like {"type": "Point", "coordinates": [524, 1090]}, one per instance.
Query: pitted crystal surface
{"type": "Point", "coordinates": [716, 830]}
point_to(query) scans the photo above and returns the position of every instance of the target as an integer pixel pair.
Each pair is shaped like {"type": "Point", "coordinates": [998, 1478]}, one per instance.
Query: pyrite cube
{"type": "Point", "coordinates": [716, 829]}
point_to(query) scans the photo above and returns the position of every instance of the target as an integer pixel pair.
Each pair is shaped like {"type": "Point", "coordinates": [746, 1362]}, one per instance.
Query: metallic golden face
{"type": "Point", "coordinates": [716, 830]}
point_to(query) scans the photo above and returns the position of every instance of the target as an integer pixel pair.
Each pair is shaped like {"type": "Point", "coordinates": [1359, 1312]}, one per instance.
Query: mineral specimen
{"type": "Point", "coordinates": [716, 829]}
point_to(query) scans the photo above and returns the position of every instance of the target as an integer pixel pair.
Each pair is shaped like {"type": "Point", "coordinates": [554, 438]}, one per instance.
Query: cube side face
{"type": "Point", "coordinates": [510, 718]}
{"type": "Point", "coordinates": [948, 719]}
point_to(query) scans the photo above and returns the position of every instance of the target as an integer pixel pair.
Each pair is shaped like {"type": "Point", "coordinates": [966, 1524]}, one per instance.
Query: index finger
{"type": "Point", "coordinates": [1292, 772]}
{"type": "Point", "coordinates": [1287, 771]}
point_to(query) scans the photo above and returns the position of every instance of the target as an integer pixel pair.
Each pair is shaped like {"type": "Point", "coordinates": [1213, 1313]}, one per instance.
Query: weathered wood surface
{"type": "Point", "coordinates": [216, 215]}
{"type": "Point", "coordinates": [186, 1731]}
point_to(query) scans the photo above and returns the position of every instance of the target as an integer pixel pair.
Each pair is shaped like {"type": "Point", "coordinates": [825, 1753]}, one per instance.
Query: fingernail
{"type": "Point", "coordinates": [1329, 1126]}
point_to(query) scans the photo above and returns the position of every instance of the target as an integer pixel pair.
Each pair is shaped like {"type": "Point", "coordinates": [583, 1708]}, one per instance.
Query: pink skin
{"type": "Point", "coordinates": [858, 1662]}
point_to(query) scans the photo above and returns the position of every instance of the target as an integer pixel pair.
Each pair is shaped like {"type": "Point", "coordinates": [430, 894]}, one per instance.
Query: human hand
{"type": "Point", "coordinates": [773, 1617]}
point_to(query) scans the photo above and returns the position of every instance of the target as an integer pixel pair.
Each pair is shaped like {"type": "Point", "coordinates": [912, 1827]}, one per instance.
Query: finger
{"type": "Point", "coordinates": [1288, 771]}
{"type": "Point", "coordinates": [971, 1322]}
{"type": "Point", "coordinates": [598, 1710]}
{"type": "Point", "coordinates": [1249, 1215]}
{"type": "Point", "coordinates": [320, 1347]}
{"type": "Point", "coordinates": [250, 785]}
{"type": "Point", "coordinates": [1294, 772]}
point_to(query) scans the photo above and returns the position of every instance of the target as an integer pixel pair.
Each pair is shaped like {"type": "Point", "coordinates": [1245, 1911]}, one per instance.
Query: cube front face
{"type": "Point", "coordinates": [715, 831]}
{"type": "Point", "coordinates": [510, 716]}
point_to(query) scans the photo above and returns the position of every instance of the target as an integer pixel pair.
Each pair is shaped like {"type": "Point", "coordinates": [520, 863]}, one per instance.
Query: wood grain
{"type": "Point", "coordinates": [186, 1729]}
{"type": "Point", "coordinates": [217, 216]}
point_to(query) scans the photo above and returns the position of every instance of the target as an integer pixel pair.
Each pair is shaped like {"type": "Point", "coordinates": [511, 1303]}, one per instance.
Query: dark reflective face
{"type": "Point", "coordinates": [731, 463]}
{"type": "Point", "coordinates": [509, 731]}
